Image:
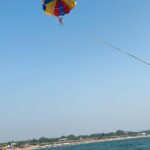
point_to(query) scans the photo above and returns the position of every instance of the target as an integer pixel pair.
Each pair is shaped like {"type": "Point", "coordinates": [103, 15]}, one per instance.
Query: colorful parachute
{"type": "Point", "coordinates": [58, 7]}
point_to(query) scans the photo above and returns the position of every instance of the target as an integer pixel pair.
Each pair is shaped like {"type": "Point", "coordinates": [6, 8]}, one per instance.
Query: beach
{"type": "Point", "coordinates": [78, 142]}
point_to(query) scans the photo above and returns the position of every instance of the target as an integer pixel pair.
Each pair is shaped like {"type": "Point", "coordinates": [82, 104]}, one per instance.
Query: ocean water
{"type": "Point", "coordinates": [129, 144]}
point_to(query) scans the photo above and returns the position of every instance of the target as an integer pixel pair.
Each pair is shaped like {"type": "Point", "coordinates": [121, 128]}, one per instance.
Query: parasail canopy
{"type": "Point", "coordinates": [58, 7]}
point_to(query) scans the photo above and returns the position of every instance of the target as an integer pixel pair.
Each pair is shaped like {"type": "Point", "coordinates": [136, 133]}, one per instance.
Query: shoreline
{"type": "Point", "coordinates": [88, 141]}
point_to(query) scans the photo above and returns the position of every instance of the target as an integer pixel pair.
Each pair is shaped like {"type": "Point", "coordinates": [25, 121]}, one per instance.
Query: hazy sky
{"type": "Point", "coordinates": [57, 81]}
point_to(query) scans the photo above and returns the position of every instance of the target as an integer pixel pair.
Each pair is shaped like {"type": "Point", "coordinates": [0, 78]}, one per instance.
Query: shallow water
{"type": "Point", "coordinates": [129, 144]}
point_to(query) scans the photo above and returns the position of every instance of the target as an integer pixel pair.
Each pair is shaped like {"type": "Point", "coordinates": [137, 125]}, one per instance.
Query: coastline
{"type": "Point", "coordinates": [88, 141]}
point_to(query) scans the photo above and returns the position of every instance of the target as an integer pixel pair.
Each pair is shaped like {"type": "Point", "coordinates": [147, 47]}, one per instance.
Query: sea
{"type": "Point", "coordinates": [128, 144]}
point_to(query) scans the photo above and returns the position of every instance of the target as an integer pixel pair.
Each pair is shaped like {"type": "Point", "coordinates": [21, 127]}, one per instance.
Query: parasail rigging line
{"type": "Point", "coordinates": [118, 49]}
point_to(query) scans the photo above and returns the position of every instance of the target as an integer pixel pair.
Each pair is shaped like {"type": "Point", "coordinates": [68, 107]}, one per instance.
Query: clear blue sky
{"type": "Point", "coordinates": [57, 81]}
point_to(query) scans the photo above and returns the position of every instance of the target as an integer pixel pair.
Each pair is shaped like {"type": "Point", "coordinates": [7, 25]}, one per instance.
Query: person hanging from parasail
{"type": "Point", "coordinates": [58, 8]}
